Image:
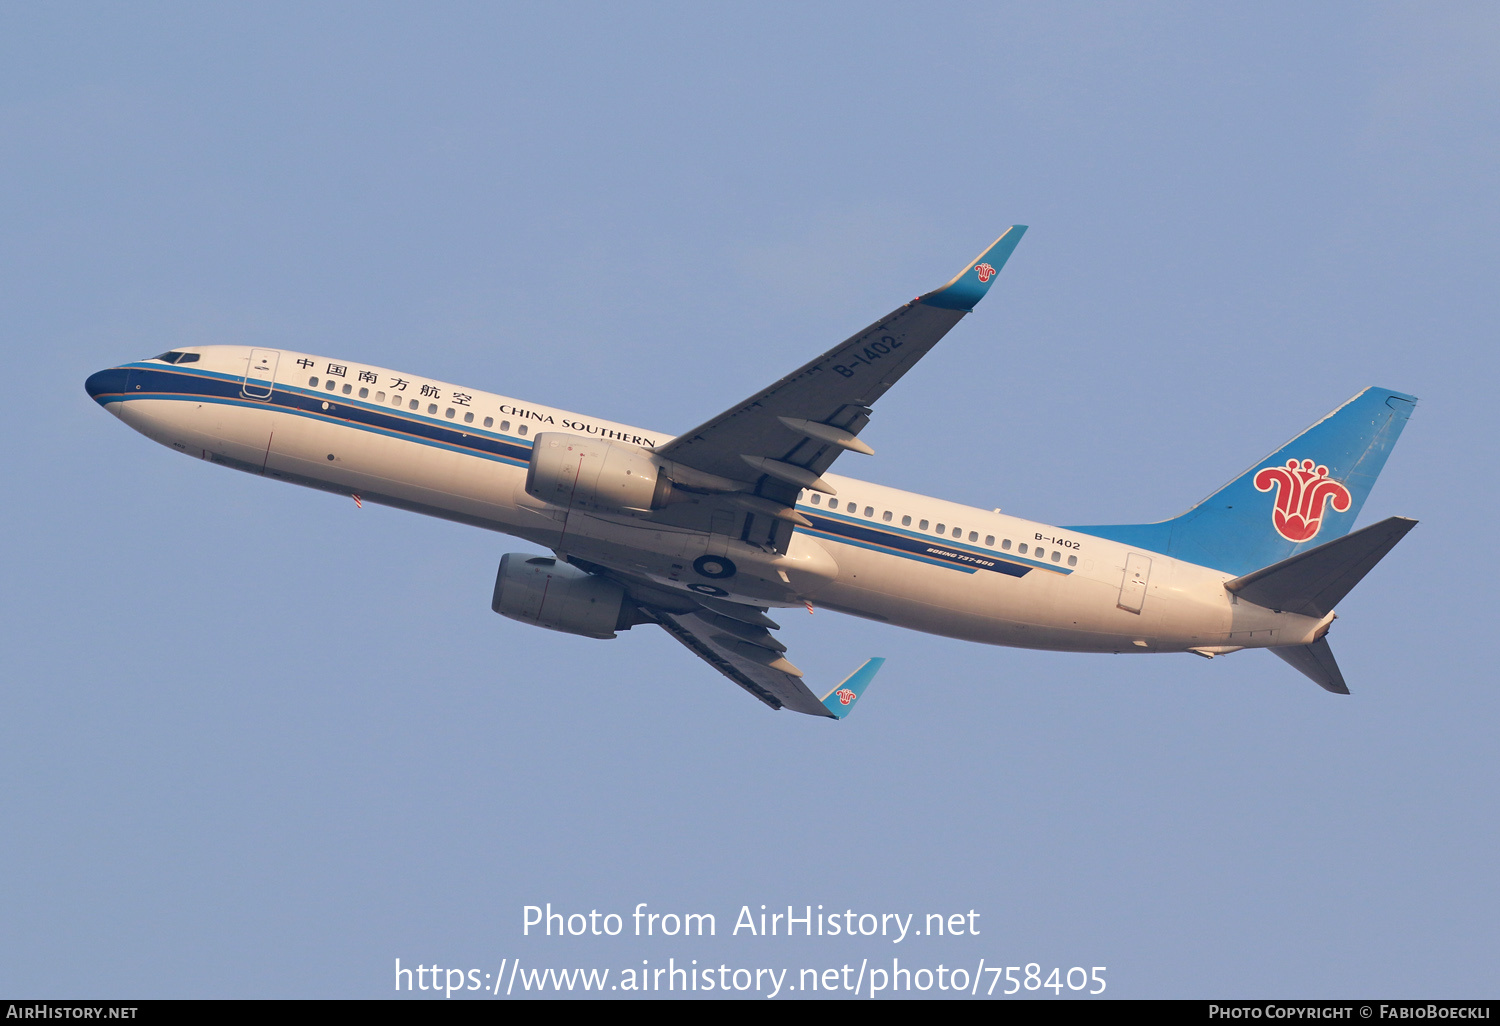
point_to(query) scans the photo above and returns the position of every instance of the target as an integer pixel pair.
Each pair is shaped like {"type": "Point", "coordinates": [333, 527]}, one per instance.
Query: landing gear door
{"type": "Point", "coordinates": [260, 374]}
{"type": "Point", "coordinates": [1133, 588]}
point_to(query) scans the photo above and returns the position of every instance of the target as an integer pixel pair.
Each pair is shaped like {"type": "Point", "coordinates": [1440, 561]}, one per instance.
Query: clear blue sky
{"type": "Point", "coordinates": [257, 742]}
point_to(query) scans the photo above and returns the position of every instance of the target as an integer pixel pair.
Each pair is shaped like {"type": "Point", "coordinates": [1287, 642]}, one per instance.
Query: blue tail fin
{"type": "Point", "coordinates": [1304, 494]}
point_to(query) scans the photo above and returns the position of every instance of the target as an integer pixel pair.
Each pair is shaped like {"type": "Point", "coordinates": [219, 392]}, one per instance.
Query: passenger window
{"type": "Point", "coordinates": [989, 540]}
{"type": "Point", "coordinates": [1056, 555]}
{"type": "Point", "coordinates": [380, 397]}
{"type": "Point", "coordinates": [942, 529]}
{"type": "Point", "coordinates": [817, 500]}
{"type": "Point", "coordinates": [886, 516]}
{"type": "Point", "coordinates": [833, 504]}
{"type": "Point", "coordinates": [869, 511]}
{"type": "Point", "coordinates": [312, 382]}
{"type": "Point", "coordinates": [1005, 545]}
{"type": "Point", "coordinates": [906, 521]}
{"type": "Point", "coordinates": [330, 384]}
{"type": "Point", "coordinates": [412, 405]}
{"type": "Point", "coordinates": [523, 429]}
{"type": "Point", "coordinates": [922, 526]}
{"type": "Point", "coordinates": [489, 422]}
{"type": "Point", "coordinates": [432, 408]}
{"type": "Point", "coordinates": [973, 536]}
{"type": "Point", "coordinates": [396, 399]}
{"type": "Point", "coordinates": [364, 393]}
{"type": "Point", "coordinates": [1021, 548]}
{"type": "Point", "coordinates": [958, 532]}
{"type": "Point", "coordinates": [448, 413]}
{"type": "Point", "coordinates": [505, 425]}
{"type": "Point", "coordinates": [1072, 560]}
{"type": "Point", "coordinates": [1040, 553]}
{"type": "Point", "coordinates": [468, 418]}
{"type": "Point", "coordinates": [348, 388]}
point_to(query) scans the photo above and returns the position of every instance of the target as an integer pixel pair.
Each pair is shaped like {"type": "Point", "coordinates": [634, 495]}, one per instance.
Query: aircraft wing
{"type": "Point", "coordinates": [784, 437]}
{"type": "Point", "coordinates": [755, 660]}
{"type": "Point", "coordinates": [736, 639]}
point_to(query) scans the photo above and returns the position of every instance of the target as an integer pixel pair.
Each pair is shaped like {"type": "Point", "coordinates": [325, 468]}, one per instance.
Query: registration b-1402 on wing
{"type": "Point", "coordinates": [705, 533]}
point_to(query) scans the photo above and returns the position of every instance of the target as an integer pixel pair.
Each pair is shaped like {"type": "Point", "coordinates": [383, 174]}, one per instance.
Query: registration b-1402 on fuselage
{"type": "Point", "coordinates": [706, 532]}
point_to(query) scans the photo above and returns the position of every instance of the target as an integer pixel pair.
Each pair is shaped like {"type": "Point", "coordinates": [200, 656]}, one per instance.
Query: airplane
{"type": "Point", "coordinates": [706, 532]}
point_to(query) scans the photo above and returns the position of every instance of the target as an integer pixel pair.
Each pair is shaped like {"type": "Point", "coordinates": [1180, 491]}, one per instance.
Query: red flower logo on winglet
{"type": "Point", "coordinates": [986, 272]}
{"type": "Point", "coordinates": [845, 696]}
{"type": "Point", "coordinates": [1302, 489]}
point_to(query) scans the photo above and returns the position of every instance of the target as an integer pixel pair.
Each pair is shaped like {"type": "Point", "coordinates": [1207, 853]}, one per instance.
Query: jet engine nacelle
{"type": "Point", "coordinates": [576, 472]}
{"type": "Point", "coordinates": [547, 592]}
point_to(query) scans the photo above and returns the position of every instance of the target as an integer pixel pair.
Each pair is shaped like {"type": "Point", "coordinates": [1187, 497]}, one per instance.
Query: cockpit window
{"type": "Point", "coordinates": [176, 357]}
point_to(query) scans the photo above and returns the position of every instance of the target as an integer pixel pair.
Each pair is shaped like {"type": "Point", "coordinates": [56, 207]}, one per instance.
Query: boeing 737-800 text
{"type": "Point", "coordinates": [706, 532]}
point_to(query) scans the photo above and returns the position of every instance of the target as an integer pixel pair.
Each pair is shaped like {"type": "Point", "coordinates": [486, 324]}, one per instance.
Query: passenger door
{"type": "Point", "coordinates": [260, 374]}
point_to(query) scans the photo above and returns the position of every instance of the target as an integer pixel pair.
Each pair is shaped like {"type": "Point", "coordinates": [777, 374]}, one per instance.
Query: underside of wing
{"type": "Point", "coordinates": [1315, 662]}
{"type": "Point", "coordinates": [758, 455]}
{"type": "Point", "coordinates": [727, 646]}
{"type": "Point", "coordinates": [736, 640]}
{"type": "Point", "coordinates": [835, 390]}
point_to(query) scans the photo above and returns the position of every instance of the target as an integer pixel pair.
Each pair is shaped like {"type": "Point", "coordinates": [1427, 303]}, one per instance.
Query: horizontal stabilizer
{"type": "Point", "coordinates": [1317, 664]}
{"type": "Point", "coordinates": [1313, 582]}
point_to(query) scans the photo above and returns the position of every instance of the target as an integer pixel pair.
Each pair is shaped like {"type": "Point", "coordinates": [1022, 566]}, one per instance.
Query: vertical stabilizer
{"type": "Point", "coordinates": [1304, 494]}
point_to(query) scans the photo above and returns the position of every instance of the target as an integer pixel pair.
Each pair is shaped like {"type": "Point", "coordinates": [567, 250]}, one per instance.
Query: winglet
{"type": "Point", "coordinates": [964, 291]}
{"type": "Point", "coordinates": [840, 701]}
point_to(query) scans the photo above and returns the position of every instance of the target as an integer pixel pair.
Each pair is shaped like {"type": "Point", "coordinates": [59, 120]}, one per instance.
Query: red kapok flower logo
{"type": "Point", "coordinates": [986, 272]}
{"type": "Point", "coordinates": [845, 696]}
{"type": "Point", "coordinates": [1302, 489]}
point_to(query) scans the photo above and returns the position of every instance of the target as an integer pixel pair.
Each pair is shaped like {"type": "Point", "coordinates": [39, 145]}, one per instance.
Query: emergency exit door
{"type": "Point", "coordinates": [1133, 588]}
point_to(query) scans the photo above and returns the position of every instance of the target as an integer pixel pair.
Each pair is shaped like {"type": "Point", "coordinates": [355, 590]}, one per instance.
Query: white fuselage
{"type": "Point", "coordinates": [882, 553]}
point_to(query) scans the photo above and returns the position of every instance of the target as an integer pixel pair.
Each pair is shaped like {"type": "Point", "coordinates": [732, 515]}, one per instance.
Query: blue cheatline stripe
{"type": "Point", "coordinates": [844, 540]}
{"type": "Point", "coordinates": [919, 547]}
{"type": "Point", "coordinates": [207, 386]}
{"type": "Point", "coordinates": [179, 384]}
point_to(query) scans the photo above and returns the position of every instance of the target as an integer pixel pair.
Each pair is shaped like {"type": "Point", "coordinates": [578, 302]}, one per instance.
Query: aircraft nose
{"type": "Point", "coordinates": [103, 385]}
